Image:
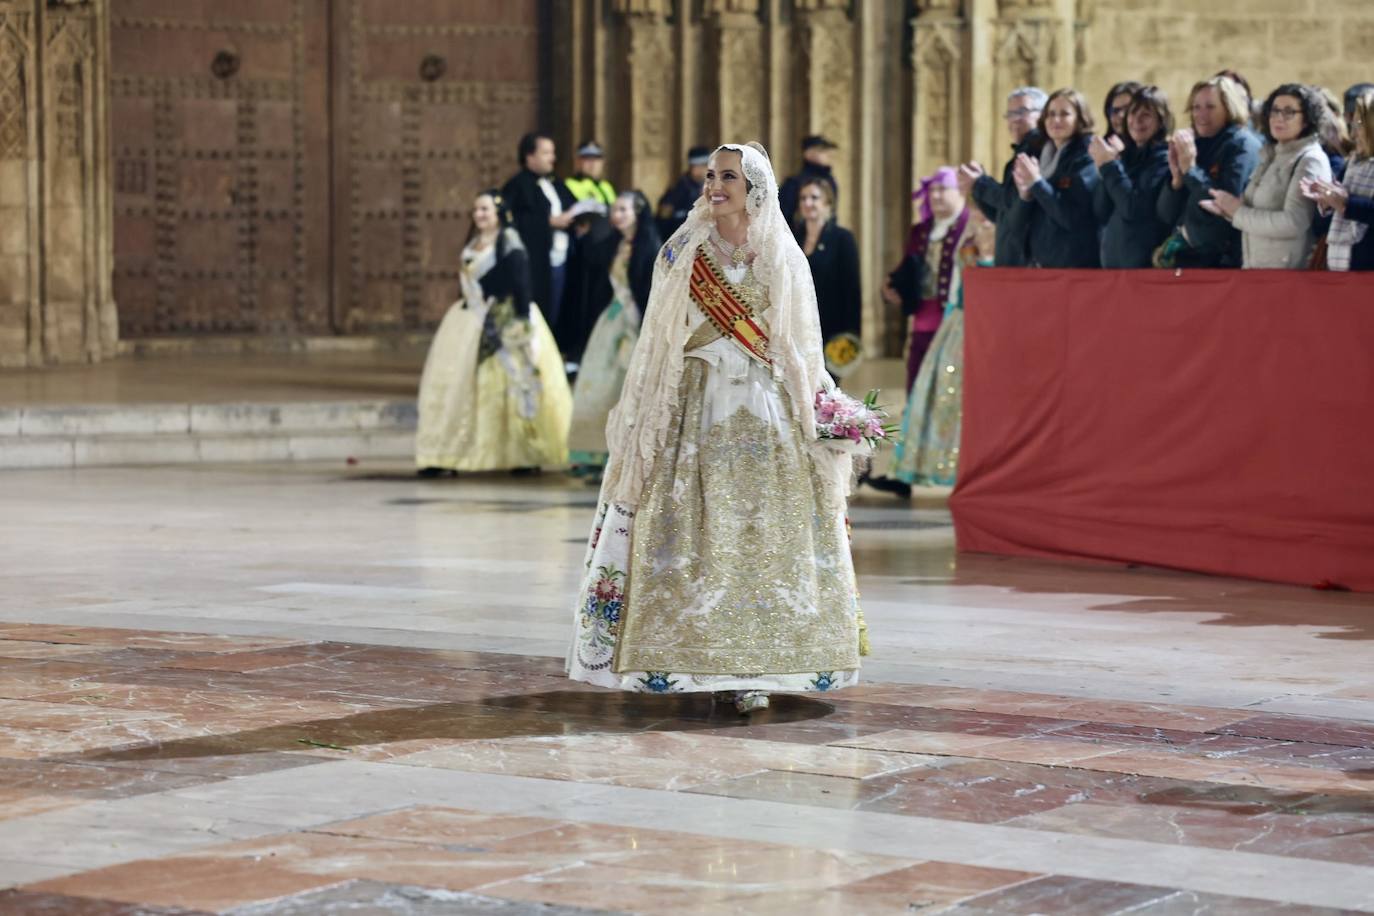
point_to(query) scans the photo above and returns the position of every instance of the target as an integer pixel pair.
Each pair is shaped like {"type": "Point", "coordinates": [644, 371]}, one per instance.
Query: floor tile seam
{"type": "Point", "coordinates": [1175, 751]}
{"type": "Point", "coordinates": [1083, 764]}
{"type": "Point", "coordinates": [1290, 850]}
{"type": "Point", "coordinates": [1163, 708]}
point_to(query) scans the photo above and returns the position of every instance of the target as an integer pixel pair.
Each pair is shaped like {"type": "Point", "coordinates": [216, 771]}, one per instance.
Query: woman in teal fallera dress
{"type": "Point", "coordinates": [928, 446]}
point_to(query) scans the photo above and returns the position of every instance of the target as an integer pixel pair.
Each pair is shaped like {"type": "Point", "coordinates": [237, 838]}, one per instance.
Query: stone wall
{"type": "Point", "coordinates": [1173, 43]}
{"type": "Point", "coordinates": [649, 78]}
{"type": "Point", "coordinates": [55, 246]}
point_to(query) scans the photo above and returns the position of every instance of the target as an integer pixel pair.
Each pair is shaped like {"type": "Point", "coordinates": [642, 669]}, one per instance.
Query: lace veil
{"type": "Point", "coordinates": [638, 426]}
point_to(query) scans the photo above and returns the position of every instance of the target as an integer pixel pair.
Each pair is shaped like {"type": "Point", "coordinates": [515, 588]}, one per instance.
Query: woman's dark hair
{"type": "Point", "coordinates": [528, 144]}
{"type": "Point", "coordinates": [646, 227]}
{"type": "Point", "coordinates": [1313, 108]}
{"type": "Point", "coordinates": [1153, 98]}
{"type": "Point", "coordinates": [1084, 114]}
{"type": "Point", "coordinates": [1335, 135]}
{"type": "Point", "coordinates": [1127, 87]}
{"type": "Point", "coordinates": [644, 248]}
{"type": "Point", "coordinates": [503, 218]}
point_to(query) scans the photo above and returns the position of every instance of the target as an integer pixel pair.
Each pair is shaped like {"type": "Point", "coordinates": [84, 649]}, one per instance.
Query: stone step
{"type": "Point", "coordinates": [108, 435]}
{"type": "Point", "coordinates": [96, 420]}
{"type": "Point", "coordinates": [31, 452]}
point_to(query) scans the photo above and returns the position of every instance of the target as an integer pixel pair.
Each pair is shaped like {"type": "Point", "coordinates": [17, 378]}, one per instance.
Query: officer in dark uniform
{"type": "Point", "coordinates": [674, 206]}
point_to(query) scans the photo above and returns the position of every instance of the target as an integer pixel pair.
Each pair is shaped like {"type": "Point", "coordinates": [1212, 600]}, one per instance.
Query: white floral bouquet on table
{"type": "Point", "coordinates": [851, 425]}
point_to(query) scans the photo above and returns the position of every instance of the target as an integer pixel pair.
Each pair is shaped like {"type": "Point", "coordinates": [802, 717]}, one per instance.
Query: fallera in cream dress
{"type": "Point", "coordinates": [493, 395]}
{"type": "Point", "coordinates": [734, 572]}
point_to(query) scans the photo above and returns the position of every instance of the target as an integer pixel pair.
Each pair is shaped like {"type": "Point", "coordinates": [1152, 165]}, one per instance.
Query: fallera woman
{"type": "Point", "coordinates": [493, 396]}
{"type": "Point", "coordinates": [718, 560]}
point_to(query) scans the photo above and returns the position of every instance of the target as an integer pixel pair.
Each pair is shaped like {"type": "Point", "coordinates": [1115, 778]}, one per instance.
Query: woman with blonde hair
{"type": "Point", "coordinates": [1274, 217]}
{"type": "Point", "coordinates": [1218, 153]}
{"type": "Point", "coordinates": [719, 560]}
{"type": "Point", "coordinates": [1349, 243]}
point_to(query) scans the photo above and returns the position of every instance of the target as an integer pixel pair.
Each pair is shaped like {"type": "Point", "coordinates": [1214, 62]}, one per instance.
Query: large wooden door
{"type": "Point", "coordinates": [295, 167]}
{"type": "Point", "coordinates": [433, 96]}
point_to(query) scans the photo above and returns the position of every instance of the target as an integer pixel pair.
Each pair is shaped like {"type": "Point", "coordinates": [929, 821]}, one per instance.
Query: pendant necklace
{"type": "Point", "coordinates": [737, 254]}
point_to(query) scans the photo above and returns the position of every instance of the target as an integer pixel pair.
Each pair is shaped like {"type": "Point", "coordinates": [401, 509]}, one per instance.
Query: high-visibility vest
{"type": "Point", "coordinates": [591, 189]}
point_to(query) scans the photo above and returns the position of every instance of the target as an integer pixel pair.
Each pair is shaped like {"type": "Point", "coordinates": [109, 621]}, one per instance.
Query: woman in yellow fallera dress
{"type": "Point", "coordinates": [719, 560]}
{"type": "Point", "coordinates": [493, 396]}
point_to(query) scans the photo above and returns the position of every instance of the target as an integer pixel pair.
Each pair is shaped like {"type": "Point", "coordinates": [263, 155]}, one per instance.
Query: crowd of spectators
{"type": "Point", "coordinates": [1281, 183]}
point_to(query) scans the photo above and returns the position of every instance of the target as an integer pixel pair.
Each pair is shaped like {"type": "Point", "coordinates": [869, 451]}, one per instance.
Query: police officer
{"type": "Point", "coordinates": [586, 182]}
{"type": "Point", "coordinates": [677, 202]}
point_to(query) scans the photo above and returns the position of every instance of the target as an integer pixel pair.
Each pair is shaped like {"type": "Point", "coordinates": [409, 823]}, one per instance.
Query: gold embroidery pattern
{"type": "Point", "coordinates": [733, 309]}
{"type": "Point", "coordinates": [736, 565]}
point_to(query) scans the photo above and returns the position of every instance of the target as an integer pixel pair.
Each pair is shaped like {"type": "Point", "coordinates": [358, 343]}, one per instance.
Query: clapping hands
{"type": "Point", "coordinates": [1328, 194]}
{"type": "Point", "coordinates": [1105, 150]}
{"type": "Point", "coordinates": [1025, 173]}
{"type": "Point", "coordinates": [1182, 155]}
{"type": "Point", "coordinates": [1222, 204]}
{"type": "Point", "coordinates": [968, 173]}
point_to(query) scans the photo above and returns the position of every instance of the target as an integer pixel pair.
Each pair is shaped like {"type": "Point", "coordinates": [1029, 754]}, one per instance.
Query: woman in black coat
{"type": "Point", "coordinates": [1055, 204]}
{"type": "Point", "coordinates": [834, 258]}
{"type": "Point", "coordinates": [623, 271]}
{"type": "Point", "coordinates": [1133, 170]}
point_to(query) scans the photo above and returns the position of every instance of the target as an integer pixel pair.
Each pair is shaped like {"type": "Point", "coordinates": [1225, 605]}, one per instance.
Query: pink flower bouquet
{"type": "Point", "coordinates": [849, 423]}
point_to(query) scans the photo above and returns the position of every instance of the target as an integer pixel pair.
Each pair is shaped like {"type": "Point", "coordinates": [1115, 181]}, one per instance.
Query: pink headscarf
{"type": "Point", "coordinates": [946, 177]}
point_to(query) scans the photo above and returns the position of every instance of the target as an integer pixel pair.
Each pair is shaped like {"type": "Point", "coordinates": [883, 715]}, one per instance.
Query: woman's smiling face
{"type": "Point", "coordinates": [725, 188]}
{"type": "Point", "coordinates": [484, 215]}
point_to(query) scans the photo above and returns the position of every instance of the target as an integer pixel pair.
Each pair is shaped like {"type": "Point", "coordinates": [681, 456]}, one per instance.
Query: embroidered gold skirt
{"type": "Point", "coordinates": [733, 574]}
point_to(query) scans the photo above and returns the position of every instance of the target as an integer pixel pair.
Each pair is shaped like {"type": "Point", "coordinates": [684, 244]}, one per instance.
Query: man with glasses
{"type": "Point", "coordinates": [1023, 115]}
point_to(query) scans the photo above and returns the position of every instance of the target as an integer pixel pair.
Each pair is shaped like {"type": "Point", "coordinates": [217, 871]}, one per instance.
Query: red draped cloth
{"type": "Point", "coordinates": [1219, 421]}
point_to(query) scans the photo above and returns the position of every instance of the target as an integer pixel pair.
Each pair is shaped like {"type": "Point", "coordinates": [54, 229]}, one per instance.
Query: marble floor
{"type": "Point", "coordinates": [309, 689]}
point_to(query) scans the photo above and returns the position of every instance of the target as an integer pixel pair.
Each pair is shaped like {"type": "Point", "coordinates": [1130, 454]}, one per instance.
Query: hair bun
{"type": "Point", "coordinates": [758, 147]}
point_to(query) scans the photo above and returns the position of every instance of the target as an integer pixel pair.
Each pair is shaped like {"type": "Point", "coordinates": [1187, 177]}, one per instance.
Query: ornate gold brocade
{"type": "Point", "coordinates": [706, 333]}
{"type": "Point", "coordinates": [736, 565]}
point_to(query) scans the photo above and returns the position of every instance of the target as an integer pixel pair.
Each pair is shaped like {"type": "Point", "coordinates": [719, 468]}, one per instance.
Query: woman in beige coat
{"type": "Point", "coordinates": [1274, 218]}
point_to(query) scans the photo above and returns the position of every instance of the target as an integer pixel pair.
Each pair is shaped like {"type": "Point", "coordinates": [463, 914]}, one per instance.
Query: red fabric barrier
{"type": "Point", "coordinates": [1219, 421]}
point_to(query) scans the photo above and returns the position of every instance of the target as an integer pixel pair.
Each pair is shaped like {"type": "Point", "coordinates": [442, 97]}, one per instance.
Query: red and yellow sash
{"type": "Point", "coordinates": [727, 313]}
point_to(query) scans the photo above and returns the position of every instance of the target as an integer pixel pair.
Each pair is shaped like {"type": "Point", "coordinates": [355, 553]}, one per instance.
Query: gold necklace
{"type": "Point", "coordinates": [737, 254]}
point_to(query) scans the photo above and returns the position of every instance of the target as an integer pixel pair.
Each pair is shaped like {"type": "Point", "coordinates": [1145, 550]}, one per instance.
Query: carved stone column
{"type": "Point", "coordinates": [826, 36]}
{"type": "Point", "coordinates": [1028, 50]}
{"type": "Point", "coordinates": [649, 86]}
{"type": "Point", "coordinates": [939, 61]}
{"type": "Point", "coordinates": [741, 74]}
{"type": "Point", "coordinates": [55, 204]}
{"type": "Point", "coordinates": [20, 306]}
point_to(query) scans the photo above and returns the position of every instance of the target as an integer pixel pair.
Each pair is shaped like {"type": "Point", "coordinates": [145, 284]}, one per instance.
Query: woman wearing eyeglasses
{"type": "Point", "coordinates": [1274, 216]}
{"type": "Point", "coordinates": [1116, 107]}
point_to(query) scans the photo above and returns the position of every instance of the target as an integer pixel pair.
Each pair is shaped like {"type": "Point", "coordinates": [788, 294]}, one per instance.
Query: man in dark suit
{"type": "Point", "coordinates": [996, 199]}
{"type": "Point", "coordinates": [538, 207]}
